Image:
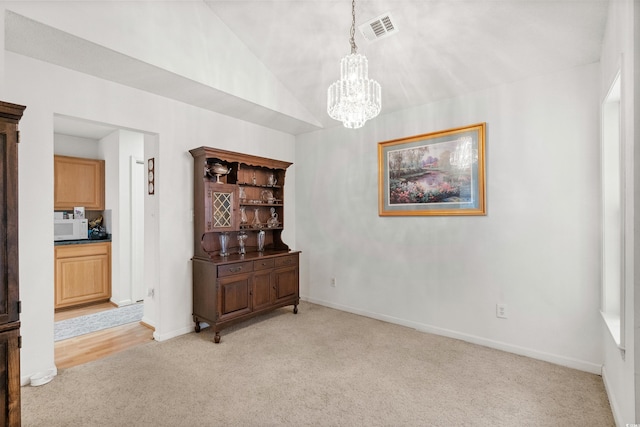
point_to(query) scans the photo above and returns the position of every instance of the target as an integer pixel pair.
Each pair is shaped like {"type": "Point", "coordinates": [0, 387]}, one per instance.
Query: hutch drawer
{"type": "Point", "coordinates": [263, 264]}
{"type": "Point", "coordinates": [236, 268]}
{"type": "Point", "coordinates": [286, 261]}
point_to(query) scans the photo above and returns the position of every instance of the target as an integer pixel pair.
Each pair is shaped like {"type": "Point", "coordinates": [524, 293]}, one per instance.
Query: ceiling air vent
{"type": "Point", "coordinates": [377, 28]}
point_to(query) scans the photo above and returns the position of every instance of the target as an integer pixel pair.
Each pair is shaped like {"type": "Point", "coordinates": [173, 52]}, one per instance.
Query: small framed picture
{"type": "Point", "coordinates": [151, 175]}
{"type": "Point", "coordinates": [78, 212]}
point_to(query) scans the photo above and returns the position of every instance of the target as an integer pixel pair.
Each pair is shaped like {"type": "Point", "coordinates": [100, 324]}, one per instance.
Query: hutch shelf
{"type": "Point", "coordinates": [241, 266]}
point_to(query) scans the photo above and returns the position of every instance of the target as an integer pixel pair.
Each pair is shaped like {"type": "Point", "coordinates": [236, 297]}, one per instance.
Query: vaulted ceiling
{"type": "Point", "coordinates": [442, 49]}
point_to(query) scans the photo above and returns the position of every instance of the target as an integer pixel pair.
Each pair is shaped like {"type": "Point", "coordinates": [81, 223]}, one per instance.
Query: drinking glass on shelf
{"type": "Point", "coordinates": [224, 244]}
{"type": "Point", "coordinates": [261, 235]}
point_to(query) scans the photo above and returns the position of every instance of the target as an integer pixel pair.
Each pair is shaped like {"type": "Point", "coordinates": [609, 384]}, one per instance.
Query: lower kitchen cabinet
{"type": "Point", "coordinates": [228, 290]}
{"type": "Point", "coordinates": [82, 274]}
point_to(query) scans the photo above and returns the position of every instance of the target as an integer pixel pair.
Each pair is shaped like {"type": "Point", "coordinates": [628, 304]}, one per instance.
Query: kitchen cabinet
{"type": "Point", "coordinates": [82, 274]}
{"type": "Point", "coordinates": [10, 115]}
{"type": "Point", "coordinates": [78, 182]}
{"type": "Point", "coordinates": [241, 266]}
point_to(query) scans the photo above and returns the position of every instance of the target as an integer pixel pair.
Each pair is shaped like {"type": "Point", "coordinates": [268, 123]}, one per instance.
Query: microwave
{"type": "Point", "coordinates": [70, 229]}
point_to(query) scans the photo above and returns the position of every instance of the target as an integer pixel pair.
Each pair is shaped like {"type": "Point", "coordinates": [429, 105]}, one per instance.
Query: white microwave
{"type": "Point", "coordinates": [70, 229]}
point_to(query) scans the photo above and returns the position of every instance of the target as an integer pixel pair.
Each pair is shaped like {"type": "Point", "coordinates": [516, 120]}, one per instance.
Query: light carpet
{"type": "Point", "coordinates": [321, 367]}
{"type": "Point", "coordinates": [76, 326]}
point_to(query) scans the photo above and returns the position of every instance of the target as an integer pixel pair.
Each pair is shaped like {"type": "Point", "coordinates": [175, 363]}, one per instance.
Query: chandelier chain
{"type": "Point", "coordinates": [352, 40]}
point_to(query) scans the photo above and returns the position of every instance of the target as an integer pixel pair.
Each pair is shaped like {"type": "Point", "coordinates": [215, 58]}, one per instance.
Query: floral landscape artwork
{"type": "Point", "coordinates": [441, 173]}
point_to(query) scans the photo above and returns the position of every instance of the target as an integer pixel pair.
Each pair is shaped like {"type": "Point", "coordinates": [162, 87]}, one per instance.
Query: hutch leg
{"type": "Point", "coordinates": [216, 338]}
{"type": "Point", "coordinates": [197, 325]}
{"type": "Point", "coordinates": [295, 309]}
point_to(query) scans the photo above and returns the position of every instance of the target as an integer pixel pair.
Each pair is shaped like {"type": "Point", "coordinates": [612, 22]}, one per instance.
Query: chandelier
{"type": "Point", "coordinates": [355, 98]}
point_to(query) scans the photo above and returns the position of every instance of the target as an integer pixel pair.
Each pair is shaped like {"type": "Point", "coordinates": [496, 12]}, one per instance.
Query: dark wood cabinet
{"type": "Point", "coordinates": [10, 372]}
{"type": "Point", "coordinates": [10, 115]}
{"type": "Point", "coordinates": [241, 266]}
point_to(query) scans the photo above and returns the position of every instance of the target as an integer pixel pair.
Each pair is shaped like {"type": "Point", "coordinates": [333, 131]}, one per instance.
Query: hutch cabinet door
{"type": "Point", "coordinates": [221, 206]}
{"type": "Point", "coordinates": [285, 282]}
{"type": "Point", "coordinates": [261, 290]}
{"type": "Point", "coordinates": [234, 296]}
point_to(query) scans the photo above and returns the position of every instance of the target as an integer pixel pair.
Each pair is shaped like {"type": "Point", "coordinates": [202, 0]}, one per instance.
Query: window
{"type": "Point", "coordinates": [613, 214]}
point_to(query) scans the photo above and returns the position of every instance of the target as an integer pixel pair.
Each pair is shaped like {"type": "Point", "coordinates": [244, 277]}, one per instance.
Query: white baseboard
{"type": "Point", "coordinates": [581, 365]}
{"type": "Point", "coordinates": [121, 303]}
{"type": "Point", "coordinates": [175, 333]}
{"type": "Point", "coordinates": [26, 379]}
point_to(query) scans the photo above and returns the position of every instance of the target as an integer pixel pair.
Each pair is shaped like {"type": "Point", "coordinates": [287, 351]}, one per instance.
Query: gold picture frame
{"type": "Point", "coordinates": [438, 173]}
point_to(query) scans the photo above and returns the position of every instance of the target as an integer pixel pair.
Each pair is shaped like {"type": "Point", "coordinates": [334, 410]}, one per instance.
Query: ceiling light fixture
{"type": "Point", "coordinates": [355, 98]}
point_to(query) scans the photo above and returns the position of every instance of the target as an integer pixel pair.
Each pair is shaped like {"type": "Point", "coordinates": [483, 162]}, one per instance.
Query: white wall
{"type": "Point", "coordinates": [151, 232]}
{"type": "Point", "coordinates": [118, 147]}
{"type": "Point", "coordinates": [177, 127]}
{"type": "Point", "coordinates": [536, 250]}
{"type": "Point", "coordinates": [74, 146]}
{"type": "Point", "coordinates": [618, 53]}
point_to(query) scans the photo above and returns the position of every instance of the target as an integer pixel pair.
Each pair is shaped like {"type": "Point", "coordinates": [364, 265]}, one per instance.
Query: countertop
{"type": "Point", "coordinates": [81, 242]}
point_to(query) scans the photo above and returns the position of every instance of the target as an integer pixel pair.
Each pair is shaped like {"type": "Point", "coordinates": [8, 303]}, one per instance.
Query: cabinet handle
{"type": "Point", "coordinates": [235, 270]}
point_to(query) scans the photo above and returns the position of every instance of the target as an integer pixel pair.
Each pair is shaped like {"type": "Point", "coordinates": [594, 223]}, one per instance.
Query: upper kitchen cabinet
{"type": "Point", "coordinates": [78, 182]}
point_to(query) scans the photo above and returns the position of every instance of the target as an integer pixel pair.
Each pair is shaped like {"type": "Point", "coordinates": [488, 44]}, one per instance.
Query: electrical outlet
{"type": "Point", "coordinates": [151, 292]}
{"type": "Point", "coordinates": [333, 282]}
{"type": "Point", "coordinates": [501, 311]}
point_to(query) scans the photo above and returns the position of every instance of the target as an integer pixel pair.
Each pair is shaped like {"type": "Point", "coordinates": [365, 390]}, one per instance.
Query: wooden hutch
{"type": "Point", "coordinates": [241, 266]}
{"type": "Point", "coordinates": [10, 115]}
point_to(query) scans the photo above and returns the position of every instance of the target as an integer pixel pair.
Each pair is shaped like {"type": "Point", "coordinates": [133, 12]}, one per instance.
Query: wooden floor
{"type": "Point", "coordinates": [85, 348]}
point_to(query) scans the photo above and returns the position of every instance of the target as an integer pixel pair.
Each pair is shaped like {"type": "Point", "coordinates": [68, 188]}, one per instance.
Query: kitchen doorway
{"type": "Point", "coordinates": [125, 188]}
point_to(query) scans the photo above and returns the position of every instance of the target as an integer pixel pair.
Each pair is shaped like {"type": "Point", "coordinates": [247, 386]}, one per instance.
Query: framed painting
{"type": "Point", "coordinates": [439, 173]}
